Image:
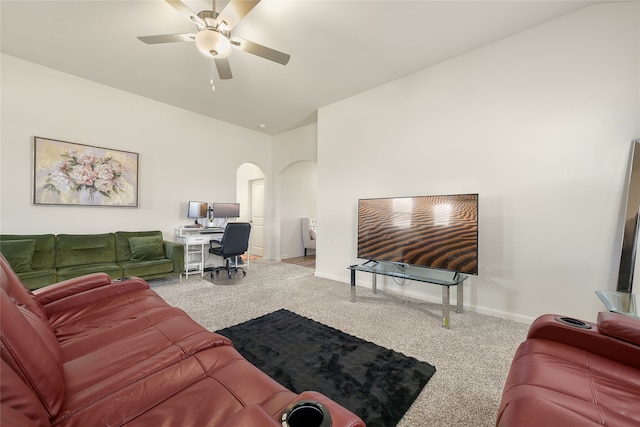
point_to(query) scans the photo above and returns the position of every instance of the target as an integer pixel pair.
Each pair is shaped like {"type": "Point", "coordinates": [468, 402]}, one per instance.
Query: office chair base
{"type": "Point", "coordinates": [230, 267]}
{"type": "Point", "coordinates": [217, 271]}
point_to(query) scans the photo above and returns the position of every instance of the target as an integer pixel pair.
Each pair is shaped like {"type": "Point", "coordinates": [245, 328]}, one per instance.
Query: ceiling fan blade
{"type": "Point", "coordinates": [234, 11]}
{"type": "Point", "coordinates": [262, 51]}
{"type": "Point", "coordinates": [167, 38]}
{"type": "Point", "coordinates": [187, 13]}
{"type": "Point", "coordinates": [224, 70]}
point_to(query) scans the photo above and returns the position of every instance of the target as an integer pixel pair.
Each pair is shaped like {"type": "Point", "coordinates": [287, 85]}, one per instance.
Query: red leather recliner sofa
{"type": "Point", "coordinates": [574, 373]}
{"type": "Point", "coordinates": [92, 352]}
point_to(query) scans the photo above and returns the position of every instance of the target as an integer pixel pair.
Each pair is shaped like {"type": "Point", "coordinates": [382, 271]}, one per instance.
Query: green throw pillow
{"type": "Point", "coordinates": [19, 253]}
{"type": "Point", "coordinates": [146, 248]}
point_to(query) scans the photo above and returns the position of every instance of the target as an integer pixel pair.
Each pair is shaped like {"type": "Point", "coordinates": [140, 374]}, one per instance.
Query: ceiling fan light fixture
{"type": "Point", "coordinates": [212, 43]}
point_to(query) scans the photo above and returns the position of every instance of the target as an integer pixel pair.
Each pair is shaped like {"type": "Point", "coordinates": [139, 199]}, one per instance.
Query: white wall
{"type": "Point", "coordinates": [183, 156]}
{"type": "Point", "coordinates": [539, 124]}
{"type": "Point", "coordinates": [295, 190]}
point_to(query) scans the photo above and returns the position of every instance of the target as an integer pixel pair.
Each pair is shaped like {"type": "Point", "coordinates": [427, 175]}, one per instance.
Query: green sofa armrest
{"type": "Point", "coordinates": [175, 252]}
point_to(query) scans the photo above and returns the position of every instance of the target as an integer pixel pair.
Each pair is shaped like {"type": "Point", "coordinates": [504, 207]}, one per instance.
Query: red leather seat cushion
{"type": "Point", "coordinates": [221, 375]}
{"type": "Point", "coordinates": [551, 381]}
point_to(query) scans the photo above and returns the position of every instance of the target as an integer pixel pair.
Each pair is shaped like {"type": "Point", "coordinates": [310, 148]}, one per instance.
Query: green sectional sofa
{"type": "Point", "coordinates": [43, 259]}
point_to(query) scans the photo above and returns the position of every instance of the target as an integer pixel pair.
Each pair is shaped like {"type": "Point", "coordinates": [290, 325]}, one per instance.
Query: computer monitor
{"type": "Point", "coordinates": [197, 210]}
{"type": "Point", "coordinates": [226, 210]}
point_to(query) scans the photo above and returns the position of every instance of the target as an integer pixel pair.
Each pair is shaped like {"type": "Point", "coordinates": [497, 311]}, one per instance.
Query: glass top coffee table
{"type": "Point", "coordinates": [619, 302]}
{"type": "Point", "coordinates": [445, 279]}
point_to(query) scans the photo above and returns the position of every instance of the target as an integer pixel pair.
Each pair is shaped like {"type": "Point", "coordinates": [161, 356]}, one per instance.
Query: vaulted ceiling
{"type": "Point", "coordinates": [338, 48]}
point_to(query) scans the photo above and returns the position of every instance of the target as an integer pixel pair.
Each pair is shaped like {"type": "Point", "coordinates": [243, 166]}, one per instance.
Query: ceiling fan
{"type": "Point", "coordinates": [213, 37]}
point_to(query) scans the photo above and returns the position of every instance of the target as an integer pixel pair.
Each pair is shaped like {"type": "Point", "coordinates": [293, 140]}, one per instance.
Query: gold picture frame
{"type": "Point", "coordinates": [67, 173]}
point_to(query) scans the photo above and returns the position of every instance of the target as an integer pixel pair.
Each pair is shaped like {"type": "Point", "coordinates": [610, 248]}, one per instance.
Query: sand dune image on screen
{"type": "Point", "coordinates": [430, 231]}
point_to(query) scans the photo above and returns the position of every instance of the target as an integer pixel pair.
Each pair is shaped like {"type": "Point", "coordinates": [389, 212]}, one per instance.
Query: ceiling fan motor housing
{"type": "Point", "coordinates": [213, 43]}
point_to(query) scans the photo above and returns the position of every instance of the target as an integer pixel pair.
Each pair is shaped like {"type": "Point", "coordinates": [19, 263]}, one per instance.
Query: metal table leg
{"type": "Point", "coordinates": [353, 286]}
{"type": "Point", "coordinates": [445, 307]}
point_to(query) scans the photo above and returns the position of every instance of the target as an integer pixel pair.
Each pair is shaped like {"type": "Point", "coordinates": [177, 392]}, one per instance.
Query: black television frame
{"type": "Point", "coordinates": [420, 237]}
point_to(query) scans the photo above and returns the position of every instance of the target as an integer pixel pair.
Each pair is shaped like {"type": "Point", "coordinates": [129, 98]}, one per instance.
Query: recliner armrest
{"type": "Point", "coordinates": [619, 326]}
{"type": "Point", "coordinates": [70, 287]}
{"type": "Point", "coordinates": [592, 340]}
{"type": "Point", "coordinates": [82, 290]}
{"type": "Point", "coordinates": [251, 416]}
{"type": "Point", "coordinates": [340, 415]}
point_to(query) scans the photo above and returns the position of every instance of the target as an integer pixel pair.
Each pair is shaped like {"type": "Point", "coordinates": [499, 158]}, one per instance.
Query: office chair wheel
{"type": "Point", "coordinates": [244, 273]}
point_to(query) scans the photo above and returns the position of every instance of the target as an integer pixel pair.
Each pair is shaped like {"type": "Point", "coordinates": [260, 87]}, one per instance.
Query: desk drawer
{"type": "Point", "coordinates": [194, 240]}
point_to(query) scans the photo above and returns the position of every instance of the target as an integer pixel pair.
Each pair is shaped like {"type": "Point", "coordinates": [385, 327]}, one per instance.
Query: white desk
{"type": "Point", "coordinates": [196, 241]}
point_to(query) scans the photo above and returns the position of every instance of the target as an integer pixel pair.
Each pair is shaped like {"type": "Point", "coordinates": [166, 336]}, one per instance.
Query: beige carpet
{"type": "Point", "coordinates": [472, 358]}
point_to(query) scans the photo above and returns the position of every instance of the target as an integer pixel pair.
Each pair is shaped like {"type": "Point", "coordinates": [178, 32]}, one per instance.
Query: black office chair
{"type": "Point", "coordinates": [235, 242]}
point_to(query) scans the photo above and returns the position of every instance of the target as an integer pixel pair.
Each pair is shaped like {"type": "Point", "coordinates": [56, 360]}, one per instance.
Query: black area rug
{"type": "Point", "coordinates": [376, 383]}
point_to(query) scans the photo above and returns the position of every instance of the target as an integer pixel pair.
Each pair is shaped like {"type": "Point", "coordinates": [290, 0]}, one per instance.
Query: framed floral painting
{"type": "Point", "coordinates": [66, 173]}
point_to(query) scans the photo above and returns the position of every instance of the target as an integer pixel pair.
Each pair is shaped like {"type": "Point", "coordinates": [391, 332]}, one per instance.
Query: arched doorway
{"type": "Point", "coordinates": [298, 199]}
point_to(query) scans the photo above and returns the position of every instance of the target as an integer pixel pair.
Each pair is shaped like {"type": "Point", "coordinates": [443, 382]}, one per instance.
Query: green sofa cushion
{"type": "Point", "coordinates": [148, 248]}
{"type": "Point", "coordinates": [123, 248]}
{"type": "Point", "coordinates": [19, 253]}
{"type": "Point", "coordinates": [113, 270]}
{"type": "Point", "coordinates": [147, 269]}
{"type": "Point", "coordinates": [83, 249]}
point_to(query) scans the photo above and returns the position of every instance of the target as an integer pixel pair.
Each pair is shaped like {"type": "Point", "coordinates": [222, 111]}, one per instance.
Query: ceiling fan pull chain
{"type": "Point", "coordinates": [213, 88]}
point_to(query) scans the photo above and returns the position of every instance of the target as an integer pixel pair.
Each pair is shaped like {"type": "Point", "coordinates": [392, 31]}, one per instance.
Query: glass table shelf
{"type": "Point", "coordinates": [619, 302]}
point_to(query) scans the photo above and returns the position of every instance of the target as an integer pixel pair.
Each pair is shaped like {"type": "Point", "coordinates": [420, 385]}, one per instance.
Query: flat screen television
{"type": "Point", "coordinates": [197, 210]}
{"type": "Point", "coordinates": [438, 232]}
{"type": "Point", "coordinates": [226, 210]}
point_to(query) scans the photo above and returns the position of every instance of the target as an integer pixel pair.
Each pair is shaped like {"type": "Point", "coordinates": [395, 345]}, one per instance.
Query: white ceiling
{"type": "Point", "coordinates": [338, 48]}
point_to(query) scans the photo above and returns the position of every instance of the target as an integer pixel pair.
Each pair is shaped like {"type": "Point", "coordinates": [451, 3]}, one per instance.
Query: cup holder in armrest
{"type": "Point", "coordinates": [573, 322]}
{"type": "Point", "coordinates": [306, 413]}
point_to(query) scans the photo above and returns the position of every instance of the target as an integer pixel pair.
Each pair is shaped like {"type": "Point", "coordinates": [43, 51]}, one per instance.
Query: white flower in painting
{"type": "Point", "coordinates": [75, 172]}
{"type": "Point", "coordinates": [104, 171]}
{"type": "Point", "coordinates": [61, 165]}
{"type": "Point", "coordinates": [60, 180]}
{"type": "Point", "coordinates": [104, 185]}
{"type": "Point", "coordinates": [116, 167]}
